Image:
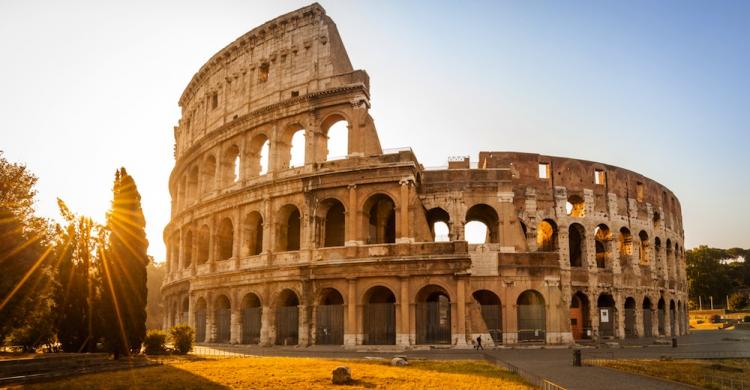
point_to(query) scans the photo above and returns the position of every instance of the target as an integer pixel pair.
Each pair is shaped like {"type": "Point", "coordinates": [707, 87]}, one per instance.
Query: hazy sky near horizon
{"type": "Point", "coordinates": [661, 88]}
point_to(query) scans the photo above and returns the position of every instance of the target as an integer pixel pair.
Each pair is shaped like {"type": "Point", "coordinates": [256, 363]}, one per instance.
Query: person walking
{"type": "Point", "coordinates": [479, 343]}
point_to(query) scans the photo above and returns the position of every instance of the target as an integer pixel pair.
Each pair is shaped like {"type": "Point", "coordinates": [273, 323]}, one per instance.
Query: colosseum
{"type": "Point", "coordinates": [370, 248]}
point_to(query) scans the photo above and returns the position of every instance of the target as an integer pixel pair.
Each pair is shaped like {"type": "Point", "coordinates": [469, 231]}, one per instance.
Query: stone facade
{"type": "Point", "coordinates": [344, 251]}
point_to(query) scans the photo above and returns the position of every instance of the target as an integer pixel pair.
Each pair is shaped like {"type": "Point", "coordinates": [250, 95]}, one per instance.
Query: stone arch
{"type": "Point", "coordinates": [252, 315]}
{"type": "Point", "coordinates": [644, 254]}
{"type": "Point", "coordinates": [291, 147]}
{"type": "Point", "coordinates": [576, 244]}
{"type": "Point", "coordinates": [647, 307]}
{"type": "Point", "coordinates": [379, 316]}
{"type": "Point", "coordinates": [225, 239]}
{"type": "Point", "coordinates": [580, 316]}
{"type": "Point", "coordinates": [607, 315]}
{"type": "Point", "coordinates": [174, 245]}
{"type": "Point", "coordinates": [433, 312]}
{"type": "Point", "coordinates": [329, 317]}
{"type": "Point", "coordinates": [630, 317]}
{"type": "Point", "coordinates": [192, 184]}
{"type": "Point", "coordinates": [626, 247]}
{"type": "Point", "coordinates": [222, 318]}
{"type": "Point", "coordinates": [661, 310]}
{"type": "Point", "coordinates": [532, 316]}
{"type": "Point", "coordinates": [488, 216]}
{"type": "Point", "coordinates": [287, 317]}
{"type": "Point", "coordinates": [288, 228]}
{"type": "Point", "coordinates": [602, 239]}
{"type": "Point", "coordinates": [439, 219]}
{"type": "Point", "coordinates": [185, 310]}
{"type": "Point", "coordinates": [672, 318]}
{"type": "Point", "coordinates": [331, 222]}
{"type": "Point", "coordinates": [380, 219]}
{"type": "Point", "coordinates": [575, 206]}
{"type": "Point", "coordinates": [336, 128]}
{"type": "Point", "coordinates": [187, 249]}
{"type": "Point", "coordinates": [253, 234]}
{"type": "Point", "coordinates": [491, 314]}
{"type": "Point", "coordinates": [204, 237]}
{"type": "Point", "coordinates": [230, 165]}
{"type": "Point", "coordinates": [546, 236]}
{"type": "Point", "coordinates": [258, 155]}
{"type": "Point", "coordinates": [200, 320]}
{"type": "Point", "coordinates": [208, 174]}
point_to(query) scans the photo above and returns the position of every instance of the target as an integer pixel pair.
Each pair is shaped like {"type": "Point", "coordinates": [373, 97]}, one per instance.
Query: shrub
{"type": "Point", "coordinates": [715, 319]}
{"type": "Point", "coordinates": [155, 342]}
{"type": "Point", "coordinates": [182, 338]}
{"type": "Point", "coordinates": [738, 301]}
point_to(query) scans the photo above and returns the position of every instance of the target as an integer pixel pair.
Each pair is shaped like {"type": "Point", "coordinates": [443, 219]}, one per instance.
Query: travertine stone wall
{"type": "Point", "coordinates": [343, 251]}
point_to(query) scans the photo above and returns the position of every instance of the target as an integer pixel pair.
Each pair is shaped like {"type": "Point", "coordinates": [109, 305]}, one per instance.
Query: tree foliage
{"type": "Point", "coordinates": [717, 273]}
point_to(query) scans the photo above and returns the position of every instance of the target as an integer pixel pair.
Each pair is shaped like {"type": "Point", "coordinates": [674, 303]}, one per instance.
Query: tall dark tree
{"type": "Point", "coordinates": [708, 274]}
{"type": "Point", "coordinates": [25, 253]}
{"type": "Point", "coordinates": [123, 267]}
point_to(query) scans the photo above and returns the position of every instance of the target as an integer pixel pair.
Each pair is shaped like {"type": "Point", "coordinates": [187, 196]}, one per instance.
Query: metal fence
{"type": "Point", "coordinates": [223, 318]}
{"type": "Point", "coordinates": [433, 322]}
{"type": "Point", "coordinates": [251, 323]}
{"type": "Point", "coordinates": [329, 325]}
{"type": "Point", "coordinates": [379, 324]}
{"type": "Point", "coordinates": [287, 325]}
{"type": "Point", "coordinates": [491, 316]}
{"type": "Point", "coordinates": [531, 322]}
{"type": "Point", "coordinates": [532, 379]}
{"type": "Point", "coordinates": [200, 326]}
{"type": "Point", "coordinates": [647, 324]}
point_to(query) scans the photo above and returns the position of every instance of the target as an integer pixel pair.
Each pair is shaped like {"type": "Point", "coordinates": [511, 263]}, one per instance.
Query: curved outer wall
{"type": "Point", "coordinates": [344, 251]}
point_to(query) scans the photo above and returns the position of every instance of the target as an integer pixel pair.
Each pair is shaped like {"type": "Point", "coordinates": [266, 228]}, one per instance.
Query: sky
{"type": "Point", "coordinates": [661, 88]}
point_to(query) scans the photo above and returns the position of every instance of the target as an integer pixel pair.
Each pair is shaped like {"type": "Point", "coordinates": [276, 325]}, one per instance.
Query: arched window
{"type": "Point", "coordinates": [333, 223]}
{"type": "Point", "coordinates": [288, 233]}
{"type": "Point", "coordinates": [546, 236]}
{"type": "Point", "coordinates": [602, 238]}
{"type": "Point", "coordinates": [644, 255]}
{"type": "Point", "coordinates": [253, 234]}
{"type": "Point", "coordinates": [297, 141]}
{"type": "Point", "coordinates": [230, 166]}
{"type": "Point", "coordinates": [187, 249]}
{"type": "Point", "coordinates": [175, 260]}
{"type": "Point", "coordinates": [380, 219]}
{"type": "Point", "coordinates": [336, 129]}
{"type": "Point", "coordinates": [203, 249]}
{"type": "Point", "coordinates": [476, 216]}
{"type": "Point", "coordinates": [626, 246]}
{"type": "Point", "coordinates": [192, 183]}
{"type": "Point", "coordinates": [438, 220]}
{"type": "Point", "coordinates": [257, 156]}
{"type": "Point", "coordinates": [575, 207]}
{"type": "Point", "coordinates": [576, 244]}
{"type": "Point", "coordinates": [208, 174]}
{"type": "Point", "coordinates": [226, 239]}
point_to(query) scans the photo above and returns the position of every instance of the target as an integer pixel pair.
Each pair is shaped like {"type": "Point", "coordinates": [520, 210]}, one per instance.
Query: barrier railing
{"type": "Point", "coordinates": [532, 379]}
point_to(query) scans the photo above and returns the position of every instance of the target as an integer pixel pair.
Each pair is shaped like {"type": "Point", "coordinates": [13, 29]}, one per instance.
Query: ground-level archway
{"type": "Point", "coordinates": [287, 318]}
{"type": "Point", "coordinates": [251, 319]}
{"type": "Point", "coordinates": [607, 315]}
{"type": "Point", "coordinates": [660, 317]}
{"type": "Point", "coordinates": [630, 330]}
{"type": "Point", "coordinates": [222, 319]}
{"type": "Point", "coordinates": [647, 320]}
{"type": "Point", "coordinates": [200, 321]}
{"type": "Point", "coordinates": [433, 320]}
{"type": "Point", "coordinates": [491, 313]}
{"type": "Point", "coordinates": [580, 323]}
{"type": "Point", "coordinates": [329, 318]}
{"type": "Point", "coordinates": [532, 316]}
{"type": "Point", "coordinates": [379, 317]}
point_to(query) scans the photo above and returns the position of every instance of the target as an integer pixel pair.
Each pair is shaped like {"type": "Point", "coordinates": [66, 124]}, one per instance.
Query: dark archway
{"type": "Point", "coordinates": [226, 239]}
{"type": "Point", "coordinates": [251, 319]}
{"type": "Point", "coordinates": [380, 219]}
{"type": "Point", "coordinates": [661, 307]}
{"type": "Point", "coordinates": [437, 219]}
{"type": "Point", "coordinates": [287, 318]}
{"type": "Point", "coordinates": [333, 224]}
{"type": "Point", "coordinates": [200, 321]}
{"type": "Point", "coordinates": [532, 316]}
{"type": "Point", "coordinates": [576, 242]}
{"type": "Point", "coordinates": [546, 236]}
{"type": "Point", "coordinates": [288, 229]}
{"type": "Point", "coordinates": [222, 319]}
{"type": "Point", "coordinates": [492, 314]}
{"type": "Point", "coordinates": [379, 326]}
{"type": "Point", "coordinates": [630, 328]}
{"type": "Point", "coordinates": [580, 316]}
{"type": "Point", "coordinates": [433, 312]}
{"type": "Point", "coordinates": [647, 320]}
{"type": "Point", "coordinates": [607, 315]}
{"type": "Point", "coordinates": [329, 324]}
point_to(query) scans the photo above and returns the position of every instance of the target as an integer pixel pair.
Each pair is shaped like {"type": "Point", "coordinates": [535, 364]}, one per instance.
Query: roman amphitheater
{"type": "Point", "coordinates": [370, 248]}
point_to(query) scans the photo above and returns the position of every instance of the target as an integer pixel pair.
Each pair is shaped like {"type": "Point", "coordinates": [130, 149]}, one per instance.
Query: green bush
{"type": "Point", "coordinates": [155, 342]}
{"type": "Point", "coordinates": [182, 338]}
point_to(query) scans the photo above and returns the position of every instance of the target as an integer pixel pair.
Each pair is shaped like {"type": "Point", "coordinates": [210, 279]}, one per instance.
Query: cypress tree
{"type": "Point", "coordinates": [123, 273]}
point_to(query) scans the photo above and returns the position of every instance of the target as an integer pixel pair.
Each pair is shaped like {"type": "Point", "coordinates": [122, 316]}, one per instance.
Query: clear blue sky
{"type": "Point", "coordinates": [661, 88]}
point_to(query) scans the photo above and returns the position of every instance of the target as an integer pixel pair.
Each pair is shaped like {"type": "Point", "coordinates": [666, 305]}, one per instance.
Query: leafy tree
{"type": "Point", "coordinates": [154, 307]}
{"type": "Point", "coordinates": [707, 275]}
{"type": "Point", "coordinates": [182, 338]}
{"type": "Point", "coordinates": [738, 300]}
{"type": "Point", "coordinates": [25, 254]}
{"type": "Point", "coordinates": [124, 262]}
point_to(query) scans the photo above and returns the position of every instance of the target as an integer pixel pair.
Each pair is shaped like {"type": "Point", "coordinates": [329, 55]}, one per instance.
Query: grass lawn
{"type": "Point", "coordinates": [296, 373]}
{"type": "Point", "coordinates": [687, 371]}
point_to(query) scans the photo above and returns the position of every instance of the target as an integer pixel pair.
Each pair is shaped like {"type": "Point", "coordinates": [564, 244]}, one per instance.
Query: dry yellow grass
{"type": "Point", "coordinates": [687, 371]}
{"type": "Point", "coordinates": [296, 373]}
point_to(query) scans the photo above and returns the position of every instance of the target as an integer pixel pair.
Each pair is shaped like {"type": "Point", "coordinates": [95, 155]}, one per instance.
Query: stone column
{"type": "Point", "coordinates": [620, 320]}
{"type": "Point", "coordinates": [237, 239]}
{"type": "Point", "coordinates": [461, 312]}
{"type": "Point", "coordinates": [352, 218]}
{"type": "Point", "coordinates": [267, 332]}
{"type": "Point", "coordinates": [403, 232]}
{"type": "Point", "coordinates": [304, 326]}
{"type": "Point", "coordinates": [403, 331]}
{"type": "Point", "coordinates": [350, 330]}
{"type": "Point", "coordinates": [235, 327]}
{"type": "Point", "coordinates": [267, 227]}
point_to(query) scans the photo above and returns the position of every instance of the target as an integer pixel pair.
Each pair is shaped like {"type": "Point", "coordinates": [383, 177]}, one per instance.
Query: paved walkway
{"type": "Point", "coordinates": [553, 363]}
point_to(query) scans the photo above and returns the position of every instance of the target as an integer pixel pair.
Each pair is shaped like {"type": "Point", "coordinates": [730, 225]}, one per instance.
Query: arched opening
{"type": "Point", "coordinates": [337, 133]}
{"type": "Point", "coordinates": [329, 319]}
{"type": "Point", "coordinates": [257, 156]}
{"type": "Point", "coordinates": [173, 316]}
{"type": "Point", "coordinates": [438, 220]}
{"type": "Point", "coordinates": [192, 185]}
{"type": "Point", "coordinates": [607, 315]}
{"type": "Point", "coordinates": [602, 237]}
{"type": "Point", "coordinates": [380, 217]}
{"type": "Point", "coordinates": [658, 255]}
{"type": "Point", "coordinates": [333, 225]}
{"type": "Point", "coordinates": [644, 255]}
{"type": "Point", "coordinates": [287, 318]}
{"type": "Point", "coordinates": [379, 319]}
{"type": "Point", "coordinates": [532, 316]}
{"type": "Point", "coordinates": [482, 225]}
{"type": "Point", "coordinates": [200, 321]}
{"type": "Point", "coordinates": [230, 166]}
{"type": "Point", "coordinates": [433, 316]}
{"type": "Point", "coordinates": [630, 330]}
{"type": "Point", "coordinates": [253, 234]}
{"type": "Point", "coordinates": [251, 319]}
{"type": "Point", "coordinates": [222, 319]}
{"type": "Point", "coordinates": [174, 263]}
{"type": "Point", "coordinates": [546, 236]}
{"type": "Point", "coordinates": [226, 239]}
{"type": "Point", "coordinates": [661, 307]}
{"type": "Point", "coordinates": [297, 143]}
{"type": "Point", "coordinates": [179, 199]}
{"type": "Point", "coordinates": [491, 314]}
{"type": "Point", "coordinates": [576, 241]}
{"type": "Point", "coordinates": [187, 249]}
{"type": "Point", "coordinates": [204, 236]}
{"type": "Point", "coordinates": [184, 315]}
{"type": "Point", "coordinates": [575, 207]}
{"type": "Point", "coordinates": [208, 174]}
{"type": "Point", "coordinates": [672, 318]}
{"type": "Point", "coordinates": [288, 229]}
{"type": "Point", "coordinates": [580, 316]}
{"type": "Point", "coordinates": [647, 321]}
{"type": "Point", "coordinates": [626, 247]}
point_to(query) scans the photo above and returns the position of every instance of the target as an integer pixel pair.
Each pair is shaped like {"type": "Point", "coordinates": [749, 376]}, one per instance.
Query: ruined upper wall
{"type": "Point", "coordinates": [291, 56]}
